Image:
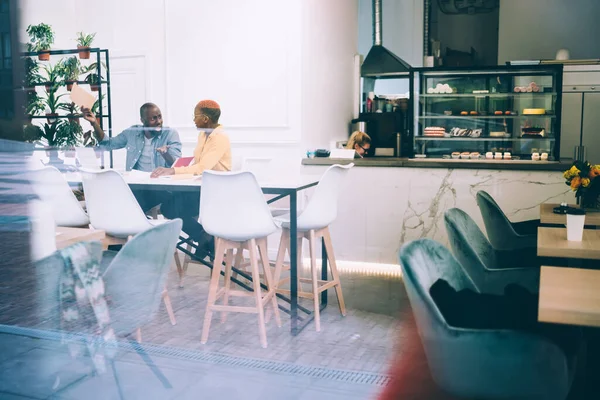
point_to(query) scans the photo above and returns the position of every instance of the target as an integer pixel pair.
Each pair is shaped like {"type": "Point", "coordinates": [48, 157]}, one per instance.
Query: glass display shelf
{"type": "Point", "coordinates": [471, 106]}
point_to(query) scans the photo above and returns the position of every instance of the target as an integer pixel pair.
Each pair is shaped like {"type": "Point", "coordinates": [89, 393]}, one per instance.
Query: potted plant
{"type": "Point", "coordinates": [32, 76]}
{"type": "Point", "coordinates": [97, 110]}
{"type": "Point", "coordinates": [52, 102]}
{"type": "Point", "coordinates": [41, 38]}
{"type": "Point", "coordinates": [72, 111]}
{"type": "Point", "coordinates": [84, 42]}
{"type": "Point", "coordinates": [53, 74]}
{"type": "Point", "coordinates": [93, 79]}
{"type": "Point", "coordinates": [68, 135]}
{"type": "Point", "coordinates": [70, 70]}
{"type": "Point", "coordinates": [32, 133]}
{"type": "Point", "coordinates": [584, 180]}
{"type": "Point", "coordinates": [35, 106]}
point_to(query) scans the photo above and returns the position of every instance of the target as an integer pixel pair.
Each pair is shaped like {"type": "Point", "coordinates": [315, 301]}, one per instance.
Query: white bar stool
{"type": "Point", "coordinates": [233, 210]}
{"type": "Point", "coordinates": [313, 224]}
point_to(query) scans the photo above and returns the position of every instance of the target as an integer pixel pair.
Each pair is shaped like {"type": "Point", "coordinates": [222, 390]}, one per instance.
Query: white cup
{"type": "Point", "coordinates": [575, 223]}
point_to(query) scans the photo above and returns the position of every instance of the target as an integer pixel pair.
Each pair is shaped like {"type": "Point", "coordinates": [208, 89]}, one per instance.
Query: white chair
{"type": "Point", "coordinates": [264, 169]}
{"type": "Point", "coordinates": [313, 223]}
{"type": "Point", "coordinates": [52, 188]}
{"type": "Point", "coordinates": [43, 230]}
{"type": "Point", "coordinates": [112, 207]}
{"type": "Point", "coordinates": [234, 211]}
{"type": "Point", "coordinates": [137, 275]}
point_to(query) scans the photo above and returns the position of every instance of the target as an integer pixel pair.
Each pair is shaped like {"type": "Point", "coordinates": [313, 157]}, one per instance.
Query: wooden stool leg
{"type": "Point", "coordinates": [228, 262]}
{"type": "Point", "coordinates": [187, 259]}
{"type": "Point", "coordinates": [239, 256]}
{"type": "Point", "coordinates": [212, 290]}
{"type": "Point", "coordinates": [257, 293]}
{"type": "Point", "coordinates": [285, 237]}
{"type": "Point", "coordinates": [179, 268]}
{"type": "Point", "coordinates": [264, 256]}
{"type": "Point", "coordinates": [299, 263]}
{"type": "Point", "coordinates": [314, 279]}
{"type": "Point", "coordinates": [167, 301]}
{"type": "Point", "coordinates": [334, 270]}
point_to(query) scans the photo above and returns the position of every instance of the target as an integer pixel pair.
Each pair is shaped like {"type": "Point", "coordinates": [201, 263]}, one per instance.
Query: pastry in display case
{"type": "Point", "coordinates": [490, 113]}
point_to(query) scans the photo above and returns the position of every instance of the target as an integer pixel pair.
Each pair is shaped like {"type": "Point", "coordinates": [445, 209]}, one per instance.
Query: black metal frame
{"type": "Point", "coordinates": [99, 52]}
{"type": "Point", "coordinates": [298, 323]}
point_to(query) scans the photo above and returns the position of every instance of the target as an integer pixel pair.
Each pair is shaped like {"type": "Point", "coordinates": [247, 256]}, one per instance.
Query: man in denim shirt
{"type": "Point", "coordinates": [149, 146]}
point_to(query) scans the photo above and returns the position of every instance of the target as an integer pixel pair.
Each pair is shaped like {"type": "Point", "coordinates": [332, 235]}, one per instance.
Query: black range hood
{"type": "Point", "coordinates": [380, 61]}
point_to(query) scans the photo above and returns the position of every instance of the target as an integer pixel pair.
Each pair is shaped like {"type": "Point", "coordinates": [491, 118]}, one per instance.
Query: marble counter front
{"type": "Point", "coordinates": [519, 165]}
{"type": "Point", "coordinates": [382, 208]}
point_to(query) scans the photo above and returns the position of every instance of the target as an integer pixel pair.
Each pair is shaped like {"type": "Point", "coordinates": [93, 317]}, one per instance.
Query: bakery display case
{"type": "Point", "coordinates": [492, 113]}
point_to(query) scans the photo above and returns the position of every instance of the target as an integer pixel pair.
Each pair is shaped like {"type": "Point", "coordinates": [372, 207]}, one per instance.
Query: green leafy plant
{"type": "Point", "coordinates": [96, 106]}
{"type": "Point", "coordinates": [32, 72]}
{"type": "Point", "coordinates": [32, 133]}
{"type": "Point", "coordinates": [52, 103]}
{"type": "Point", "coordinates": [70, 69]}
{"type": "Point", "coordinates": [35, 105]}
{"type": "Point", "coordinates": [85, 40]}
{"type": "Point", "coordinates": [72, 111]}
{"type": "Point", "coordinates": [94, 79]}
{"type": "Point", "coordinates": [41, 37]}
{"type": "Point", "coordinates": [68, 134]}
{"type": "Point", "coordinates": [53, 75]}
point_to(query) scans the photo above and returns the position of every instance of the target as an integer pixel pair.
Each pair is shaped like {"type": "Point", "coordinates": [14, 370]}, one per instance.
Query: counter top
{"type": "Point", "coordinates": [525, 165]}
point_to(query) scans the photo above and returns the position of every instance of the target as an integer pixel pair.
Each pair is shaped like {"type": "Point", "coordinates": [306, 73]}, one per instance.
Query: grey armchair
{"type": "Point", "coordinates": [135, 279]}
{"type": "Point", "coordinates": [488, 272]}
{"type": "Point", "coordinates": [503, 234]}
{"type": "Point", "coordinates": [478, 363]}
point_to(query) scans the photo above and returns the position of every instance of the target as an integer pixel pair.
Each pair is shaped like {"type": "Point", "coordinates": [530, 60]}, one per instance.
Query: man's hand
{"type": "Point", "coordinates": [162, 172]}
{"type": "Point", "coordinates": [162, 149]}
{"type": "Point", "coordinates": [88, 115]}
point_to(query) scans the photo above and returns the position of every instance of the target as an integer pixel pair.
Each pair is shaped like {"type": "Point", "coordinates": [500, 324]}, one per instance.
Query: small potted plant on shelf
{"type": "Point", "coordinates": [52, 103]}
{"type": "Point", "coordinates": [35, 106]}
{"type": "Point", "coordinates": [53, 74]}
{"type": "Point", "coordinates": [583, 178]}
{"type": "Point", "coordinates": [32, 76]}
{"type": "Point", "coordinates": [41, 38]}
{"type": "Point", "coordinates": [96, 109]}
{"type": "Point", "coordinates": [84, 42]}
{"type": "Point", "coordinates": [93, 79]}
{"type": "Point", "coordinates": [72, 112]}
{"type": "Point", "coordinates": [32, 133]}
{"type": "Point", "coordinates": [70, 70]}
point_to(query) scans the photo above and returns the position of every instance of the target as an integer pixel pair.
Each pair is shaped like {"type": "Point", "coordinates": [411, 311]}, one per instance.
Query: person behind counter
{"type": "Point", "coordinates": [359, 142]}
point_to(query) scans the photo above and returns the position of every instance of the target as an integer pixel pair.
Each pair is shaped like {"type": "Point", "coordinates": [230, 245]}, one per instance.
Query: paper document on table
{"type": "Point", "coordinates": [135, 174]}
{"type": "Point", "coordinates": [178, 177]}
{"type": "Point", "coordinates": [82, 97]}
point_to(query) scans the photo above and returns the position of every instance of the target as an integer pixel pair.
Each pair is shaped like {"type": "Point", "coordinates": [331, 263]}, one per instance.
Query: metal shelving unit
{"type": "Point", "coordinates": [101, 57]}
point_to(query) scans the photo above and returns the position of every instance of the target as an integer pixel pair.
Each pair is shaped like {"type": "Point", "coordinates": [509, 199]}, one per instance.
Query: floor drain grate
{"type": "Point", "coordinates": [364, 378]}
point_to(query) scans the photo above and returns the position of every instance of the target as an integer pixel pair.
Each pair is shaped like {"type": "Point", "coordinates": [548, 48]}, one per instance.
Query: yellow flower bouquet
{"type": "Point", "coordinates": [583, 179]}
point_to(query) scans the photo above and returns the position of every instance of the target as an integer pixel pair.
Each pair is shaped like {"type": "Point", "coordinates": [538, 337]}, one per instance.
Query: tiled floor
{"type": "Point", "coordinates": [43, 369]}
{"type": "Point", "coordinates": [348, 359]}
{"type": "Point", "coordinates": [361, 341]}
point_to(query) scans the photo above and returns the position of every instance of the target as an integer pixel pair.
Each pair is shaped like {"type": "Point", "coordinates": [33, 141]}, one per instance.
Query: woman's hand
{"type": "Point", "coordinates": [162, 172]}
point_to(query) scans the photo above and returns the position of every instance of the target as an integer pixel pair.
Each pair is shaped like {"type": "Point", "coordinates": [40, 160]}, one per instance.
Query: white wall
{"type": "Point", "coordinates": [537, 29]}
{"type": "Point", "coordinates": [280, 69]}
{"type": "Point", "coordinates": [329, 42]}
